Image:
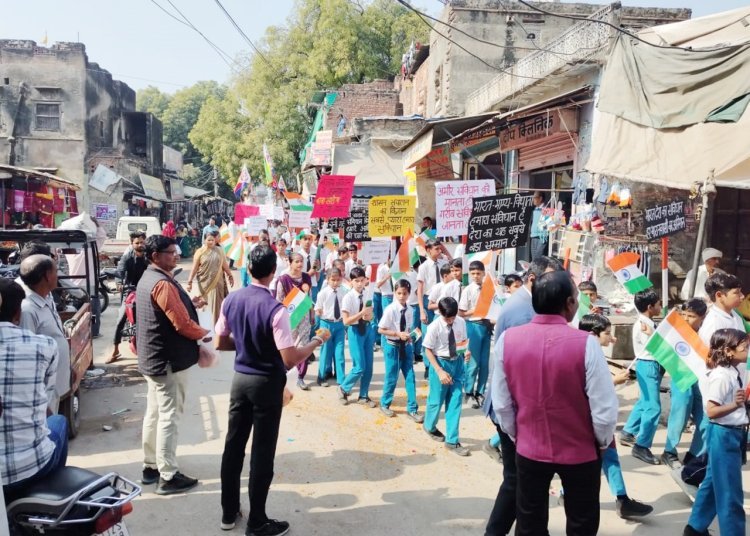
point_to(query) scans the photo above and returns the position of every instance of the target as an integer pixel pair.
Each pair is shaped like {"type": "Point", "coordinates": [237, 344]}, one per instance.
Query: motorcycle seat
{"type": "Point", "coordinates": [57, 486]}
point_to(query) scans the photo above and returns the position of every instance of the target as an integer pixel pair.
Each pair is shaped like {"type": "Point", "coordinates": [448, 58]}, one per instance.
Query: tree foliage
{"type": "Point", "coordinates": [151, 99]}
{"type": "Point", "coordinates": [325, 44]}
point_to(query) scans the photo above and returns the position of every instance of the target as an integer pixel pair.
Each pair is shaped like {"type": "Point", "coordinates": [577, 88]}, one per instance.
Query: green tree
{"type": "Point", "coordinates": [325, 44]}
{"type": "Point", "coordinates": [151, 99]}
{"type": "Point", "coordinates": [182, 113]}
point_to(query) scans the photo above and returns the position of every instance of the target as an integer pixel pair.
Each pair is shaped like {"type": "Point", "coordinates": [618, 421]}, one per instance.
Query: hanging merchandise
{"type": "Point", "coordinates": [626, 200]}
{"type": "Point", "coordinates": [614, 195]}
{"type": "Point", "coordinates": [597, 225]}
{"type": "Point", "coordinates": [603, 190]}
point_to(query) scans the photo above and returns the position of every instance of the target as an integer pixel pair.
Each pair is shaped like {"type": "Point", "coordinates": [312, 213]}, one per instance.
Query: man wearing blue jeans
{"type": "Point", "coordinates": [28, 369]}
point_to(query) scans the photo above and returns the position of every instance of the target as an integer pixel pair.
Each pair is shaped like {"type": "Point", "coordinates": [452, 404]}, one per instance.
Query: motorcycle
{"type": "Point", "coordinates": [73, 502]}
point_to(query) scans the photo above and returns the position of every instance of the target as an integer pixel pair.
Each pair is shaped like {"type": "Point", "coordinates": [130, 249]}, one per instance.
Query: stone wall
{"type": "Point", "coordinates": [377, 98]}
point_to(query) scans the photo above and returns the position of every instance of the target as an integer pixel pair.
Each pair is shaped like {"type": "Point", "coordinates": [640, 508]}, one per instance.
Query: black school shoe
{"type": "Point", "coordinates": [228, 522]}
{"type": "Point", "coordinates": [179, 483]}
{"type": "Point", "coordinates": [628, 508]}
{"type": "Point", "coordinates": [645, 455]}
{"type": "Point", "coordinates": [150, 476]}
{"type": "Point", "coordinates": [272, 527]}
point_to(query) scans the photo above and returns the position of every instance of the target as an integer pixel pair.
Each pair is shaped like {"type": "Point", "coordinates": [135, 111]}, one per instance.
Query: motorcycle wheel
{"type": "Point", "coordinates": [70, 408]}
{"type": "Point", "coordinates": [103, 297]}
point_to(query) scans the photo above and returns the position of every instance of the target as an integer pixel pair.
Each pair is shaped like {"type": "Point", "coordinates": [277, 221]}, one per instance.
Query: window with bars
{"type": "Point", "coordinates": [48, 116]}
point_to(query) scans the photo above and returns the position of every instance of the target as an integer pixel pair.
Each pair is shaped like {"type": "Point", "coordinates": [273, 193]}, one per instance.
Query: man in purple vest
{"type": "Point", "coordinates": [553, 395]}
{"type": "Point", "coordinates": [257, 326]}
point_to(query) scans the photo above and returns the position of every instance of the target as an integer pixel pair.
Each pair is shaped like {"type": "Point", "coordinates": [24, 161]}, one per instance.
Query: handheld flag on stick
{"type": "Point", "coordinates": [489, 302]}
{"type": "Point", "coordinates": [268, 165]}
{"type": "Point", "coordinates": [677, 347]}
{"type": "Point", "coordinates": [625, 267]}
{"type": "Point", "coordinates": [421, 240]}
{"type": "Point", "coordinates": [243, 181]}
{"type": "Point", "coordinates": [584, 305]}
{"type": "Point", "coordinates": [297, 202]}
{"type": "Point", "coordinates": [298, 304]}
{"type": "Point", "coordinates": [238, 252]}
{"type": "Point", "coordinates": [406, 256]}
{"type": "Point", "coordinates": [225, 238]}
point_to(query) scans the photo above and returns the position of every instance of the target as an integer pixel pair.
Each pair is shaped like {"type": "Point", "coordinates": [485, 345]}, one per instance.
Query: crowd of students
{"type": "Point", "coordinates": [426, 315]}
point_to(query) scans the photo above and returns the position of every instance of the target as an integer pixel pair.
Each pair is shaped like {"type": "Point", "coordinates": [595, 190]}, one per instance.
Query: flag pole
{"type": "Point", "coordinates": [665, 274]}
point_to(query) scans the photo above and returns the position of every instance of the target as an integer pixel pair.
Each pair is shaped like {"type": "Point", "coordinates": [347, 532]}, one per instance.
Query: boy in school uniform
{"type": "Point", "coordinates": [453, 288]}
{"type": "Point", "coordinates": [445, 347]}
{"type": "Point", "coordinates": [328, 309]}
{"type": "Point", "coordinates": [383, 292]}
{"type": "Point", "coordinates": [310, 259]}
{"type": "Point", "coordinates": [436, 294]}
{"type": "Point", "coordinates": [357, 314]}
{"type": "Point", "coordinates": [725, 292]}
{"type": "Point", "coordinates": [413, 302]}
{"type": "Point", "coordinates": [428, 276]}
{"type": "Point", "coordinates": [478, 367]}
{"type": "Point", "coordinates": [398, 352]}
{"type": "Point", "coordinates": [641, 426]}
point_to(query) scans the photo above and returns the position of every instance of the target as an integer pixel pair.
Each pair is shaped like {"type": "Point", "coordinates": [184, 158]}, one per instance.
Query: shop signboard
{"type": "Point", "coordinates": [538, 127]}
{"type": "Point", "coordinates": [664, 219]}
{"type": "Point", "coordinates": [499, 222]}
{"type": "Point", "coordinates": [436, 164]}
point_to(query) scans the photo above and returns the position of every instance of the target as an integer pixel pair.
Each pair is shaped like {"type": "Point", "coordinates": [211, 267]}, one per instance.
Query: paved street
{"type": "Point", "coordinates": [339, 470]}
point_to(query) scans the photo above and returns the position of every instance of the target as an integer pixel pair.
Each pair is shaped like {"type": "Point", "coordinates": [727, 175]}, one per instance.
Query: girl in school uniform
{"type": "Point", "coordinates": [720, 494]}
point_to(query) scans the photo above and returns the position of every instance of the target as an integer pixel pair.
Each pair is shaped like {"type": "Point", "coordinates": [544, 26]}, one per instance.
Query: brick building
{"type": "Point", "coordinates": [354, 101]}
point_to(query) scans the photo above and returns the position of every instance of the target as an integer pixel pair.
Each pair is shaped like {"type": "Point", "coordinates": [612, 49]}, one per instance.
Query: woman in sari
{"type": "Point", "coordinates": [209, 268]}
{"type": "Point", "coordinates": [292, 278]}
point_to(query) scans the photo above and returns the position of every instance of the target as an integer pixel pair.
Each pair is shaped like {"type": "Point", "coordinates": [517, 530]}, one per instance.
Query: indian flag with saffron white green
{"type": "Point", "coordinates": [677, 347]}
{"type": "Point", "coordinates": [298, 304]}
{"type": "Point", "coordinates": [625, 267]}
{"type": "Point", "coordinates": [406, 256]}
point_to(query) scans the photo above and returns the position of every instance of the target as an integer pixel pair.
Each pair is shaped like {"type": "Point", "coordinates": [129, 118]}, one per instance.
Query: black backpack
{"type": "Point", "coordinates": [694, 471]}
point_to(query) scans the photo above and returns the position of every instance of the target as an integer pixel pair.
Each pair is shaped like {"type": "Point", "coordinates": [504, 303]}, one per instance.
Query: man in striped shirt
{"type": "Point", "coordinates": [34, 444]}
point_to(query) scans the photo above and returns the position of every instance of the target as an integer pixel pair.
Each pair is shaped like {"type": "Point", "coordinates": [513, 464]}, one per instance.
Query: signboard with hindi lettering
{"type": "Point", "coordinates": [499, 222]}
{"type": "Point", "coordinates": [391, 215]}
{"type": "Point", "coordinates": [355, 227]}
{"type": "Point", "coordinates": [376, 251]}
{"type": "Point", "coordinates": [538, 127]}
{"type": "Point", "coordinates": [453, 204]}
{"type": "Point", "coordinates": [299, 219]}
{"type": "Point", "coordinates": [334, 196]}
{"type": "Point", "coordinates": [664, 219]}
{"type": "Point", "coordinates": [255, 224]}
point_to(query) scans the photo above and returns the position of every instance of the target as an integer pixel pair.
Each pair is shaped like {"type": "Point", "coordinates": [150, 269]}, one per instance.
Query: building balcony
{"type": "Point", "coordinates": [584, 43]}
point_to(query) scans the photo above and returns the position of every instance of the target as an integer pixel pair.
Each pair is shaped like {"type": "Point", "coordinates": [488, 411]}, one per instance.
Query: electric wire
{"type": "Point", "coordinates": [242, 33]}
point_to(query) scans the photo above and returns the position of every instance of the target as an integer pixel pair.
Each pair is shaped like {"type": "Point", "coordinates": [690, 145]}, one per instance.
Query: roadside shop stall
{"type": "Point", "coordinates": [29, 195]}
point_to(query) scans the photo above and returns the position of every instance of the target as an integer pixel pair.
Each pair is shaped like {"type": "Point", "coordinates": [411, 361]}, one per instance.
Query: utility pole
{"type": "Point", "coordinates": [216, 183]}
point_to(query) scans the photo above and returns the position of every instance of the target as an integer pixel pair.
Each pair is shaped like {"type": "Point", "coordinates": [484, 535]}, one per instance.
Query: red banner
{"type": "Point", "coordinates": [244, 211]}
{"type": "Point", "coordinates": [333, 197]}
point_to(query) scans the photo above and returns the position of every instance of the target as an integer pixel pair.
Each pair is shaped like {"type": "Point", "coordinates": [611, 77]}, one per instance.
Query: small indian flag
{"type": "Point", "coordinates": [625, 267]}
{"type": "Point", "coordinates": [298, 304]}
{"type": "Point", "coordinates": [407, 255]}
{"type": "Point", "coordinates": [422, 238]}
{"type": "Point", "coordinates": [486, 306]}
{"type": "Point", "coordinates": [238, 251]}
{"type": "Point", "coordinates": [225, 237]}
{"type": "Point", "coordinates": [297, 202]}
{"type": "Point", "coordinates": [462, 346]}
{"type": "Point", "coordinates": [679, 350]}
{"type": "Point", "coordinates": [584, 305]}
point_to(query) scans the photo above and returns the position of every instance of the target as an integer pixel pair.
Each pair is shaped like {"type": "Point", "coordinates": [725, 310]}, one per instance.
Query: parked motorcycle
{"type": "Point", "coordinates": [73, 502]}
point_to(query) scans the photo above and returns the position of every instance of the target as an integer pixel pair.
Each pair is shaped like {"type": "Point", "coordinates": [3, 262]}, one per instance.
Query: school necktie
{"type": "Point", "coordinates": [362, 324]}
{"type": "Point", "coordinates": [308, 262]}
{"type": "Point", "coordinates": [402, 323]}
{"type": "Point", "coordinates": [402, 327]}
{"type": "Point", "coordinates": [336, 306]}
{"type": "Point", "coordinates": [451, 342]}
{"type": "Point", "coordinates": [437, 273]}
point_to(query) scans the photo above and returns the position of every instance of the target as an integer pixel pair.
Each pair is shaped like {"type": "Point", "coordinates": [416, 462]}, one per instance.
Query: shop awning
{"type": "Point", "coordinates": [372, 165]}
{"type": "Point", "coordinates": [153, 187]}
{"type": "Point", "coordinates": [191, 192]}
{"type": "Point", "coordinates": [8, 172]}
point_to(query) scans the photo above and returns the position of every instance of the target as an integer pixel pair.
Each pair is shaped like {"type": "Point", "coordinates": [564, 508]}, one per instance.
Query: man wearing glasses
{"type": "Point", "coordinates": [168, 337]}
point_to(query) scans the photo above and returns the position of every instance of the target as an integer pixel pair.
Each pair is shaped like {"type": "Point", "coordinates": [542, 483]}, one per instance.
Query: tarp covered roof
{"type": "Point", "coordinates": [372, 165]}
{"type": "Point", "coordinates": [625, 145]}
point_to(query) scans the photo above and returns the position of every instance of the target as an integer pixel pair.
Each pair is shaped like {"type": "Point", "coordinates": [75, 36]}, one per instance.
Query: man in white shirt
{"type": "Point", "coordinates": [711, 259]}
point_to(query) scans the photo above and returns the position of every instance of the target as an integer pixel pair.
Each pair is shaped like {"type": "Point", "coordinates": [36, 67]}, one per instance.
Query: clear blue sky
{"type": "Point", "coordinates": [141, 45]}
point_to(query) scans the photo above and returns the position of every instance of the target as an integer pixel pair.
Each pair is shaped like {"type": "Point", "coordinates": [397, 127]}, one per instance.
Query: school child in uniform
{"type": "Point", "coordinates": [328, 308]}
{"type": "Point", "coordinates": [398, 352]}
{"type": "Point", "coordinates": [512, 282]}
{"type": "Point", "coordinates": [641, 426]}
{"type": "Point", "coordinates": [442, 343]}
{"type": "Point", "coordinates": [428, 275]}
{"type": "Point", "coordinates": [413, 302]}
{"type": "Point", "coordinates": [437, 290]}
{"type": "Point", "coordinates": [686, 404]}
{"type": "Point", "coordinates": [478, 367]}
{"type": "Point", "coordinates": [454, 288]}
{"type": "Point", "coordinates": [725, 292]}
{"type": "Point", "coordinates": [720, 494]}
{"type": "Point", "coordinates": [601, 328]}
{"type": "Point", "coordinates": [383, 293]}
{"type": "Point", "coordinates": [357, 316]}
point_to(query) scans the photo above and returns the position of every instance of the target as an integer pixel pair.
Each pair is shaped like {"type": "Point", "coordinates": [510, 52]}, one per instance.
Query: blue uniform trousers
{"type": "Point", "coordinates": [644, 418]}
{"type": "Point", "coordinates": [683, 405]}
{"type": "Point", "coordinates": [613, 471]}
{"type": "Point", "coordinates": [478, 367]}
{"type": "Point", "coordinates": [450, 395]}
{"type": "Point", "coordinates": [393, 364]}
{"type": "Point", "coordinates": [332, 352]}
{"type": "Point", "coordinates": [423, 327]}
{"type": "Point", "coordinates": [720, 494]}
{"type": "Point", "coordinates": [416, 323]}
{"type": "Point", "coordinates": [361, 350]}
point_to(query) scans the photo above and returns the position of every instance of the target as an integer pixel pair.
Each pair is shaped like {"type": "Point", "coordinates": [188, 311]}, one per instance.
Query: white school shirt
{"type": "Point", "coordinates": [426, 273]}
{"type": "Point", "coordinates": [312, 255]}
{"type": "Point", "coordinates": [391, 318]}
{"type": "Point", "coordinates": [411, 277]}
{"type": "Point", "coordinates": [718, 319]}
{"type": "Point", "coordinates": [435, 293]}
{"type": "Point", "coordinates": [721, 385]}
{"type": "Point", "coordinates": [600, 391]}
{"type": "Point", "coordinates": [452, 289]}
{"type": "Point", "coordinates": [387, 288]}
{"type": "Point", "coordinates": [349, 265]}
{"type": "Point", "coordinates": [640, 338]}
{"type": "Point", "coordinates": [436, 338]}
{"type": "Point", "coordinates": [469, 297]}
{"type": "Point", "coordinates": [350, 302]}
{"type": "Point", "coordinates": [325, 302]}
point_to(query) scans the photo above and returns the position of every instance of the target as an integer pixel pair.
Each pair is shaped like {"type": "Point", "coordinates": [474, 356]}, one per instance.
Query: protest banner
{"type": "Point", "coordinates": [664, 219]}
{"type": "Point", "coordinates": [376, 251]}
{"type": "Point", "coordinates": [355, 227]}
{"type": "Point", "coordinates": [255, 224]}
{"type": "Point", "coordinates": [334, 196]}
{"type": "Point", "coordinates": [453, 204]}
{"type": "Point", "coordinates": [299, 219]}
{"type": "Point", "coordinates": [499, 222]}
{"type": "Point", "coordinates": [391, 215]}
{"type": "Point", "coordinates": [242, 211]}
{"type": "Point", "coordinates": [266, 211]}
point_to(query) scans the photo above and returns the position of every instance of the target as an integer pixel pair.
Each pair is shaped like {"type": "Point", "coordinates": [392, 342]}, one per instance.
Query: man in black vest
{"type": "Point", "coordinates": [257, 326]}
{"type": "Point", "coordinates": [168, 336]}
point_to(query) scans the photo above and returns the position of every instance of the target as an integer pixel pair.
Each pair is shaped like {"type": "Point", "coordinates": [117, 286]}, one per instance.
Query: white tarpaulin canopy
{"type": "Point", "coordinates": [678, 157]}
{"type": "Point", "coordinates": [371, 164]}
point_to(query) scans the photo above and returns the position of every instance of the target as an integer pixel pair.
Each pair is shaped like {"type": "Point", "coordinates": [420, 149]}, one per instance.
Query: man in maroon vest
{"type": "Point", "coordinates": [553, 395]}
